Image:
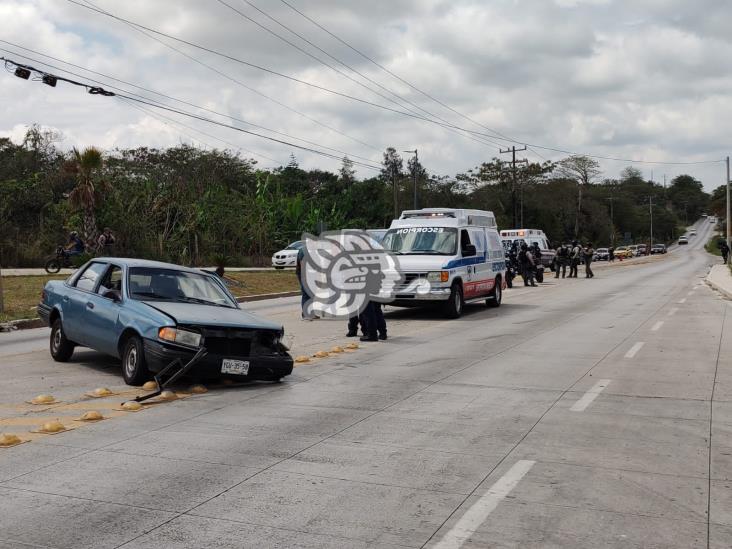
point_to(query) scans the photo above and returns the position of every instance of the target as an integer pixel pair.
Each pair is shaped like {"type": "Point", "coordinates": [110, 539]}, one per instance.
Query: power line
{"type": "Point", "coordinates": [181, 101]}
{"type": "Point", "coordinates": [347, 66]}
{"type": "Point", "coordinates": [100, 91]}
{"type": "Point", "coordinates": [239, 82]}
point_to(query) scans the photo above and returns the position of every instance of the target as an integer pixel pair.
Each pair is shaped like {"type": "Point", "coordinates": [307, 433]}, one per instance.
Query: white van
{"type": "Point", "coordinates": [447, 255]}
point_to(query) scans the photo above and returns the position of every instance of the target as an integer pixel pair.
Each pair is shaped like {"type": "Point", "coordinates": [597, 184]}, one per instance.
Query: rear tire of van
{"type": "Point", "coordinates": [454, 306]}
{"type": "Point", "coordinates": [496, 295]}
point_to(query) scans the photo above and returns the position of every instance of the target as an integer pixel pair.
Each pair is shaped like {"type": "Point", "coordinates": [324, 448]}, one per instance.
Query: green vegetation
{"type": "Point", "coordinates": [713, 245]}
{"type": "Point", "coordinates": [198, 207]}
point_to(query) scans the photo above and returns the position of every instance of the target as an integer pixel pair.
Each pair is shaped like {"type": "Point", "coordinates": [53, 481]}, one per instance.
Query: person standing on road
{"type": "Point", "coordinates": [562, 259]}
{"type": "Point", "coordinates": [725, 250]}
{"type": "Point", "coordinates": [526, 259]}
{"type": "Point", "coordinates": [305, 297]}
{"type": "Point", "coordinates": [610, 254]}
{"type": "Point", "coordinates": [589, 255]}
{"type": "Point", "coordinates": [375, 322]}
{"type": "Point", "coordinates": [574, 259]}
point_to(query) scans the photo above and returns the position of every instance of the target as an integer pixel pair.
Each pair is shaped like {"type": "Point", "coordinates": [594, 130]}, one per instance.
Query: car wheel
{"type": "Point", "coordinates": [454, 306]}
{"type": "Point", "coordinates": [61, 348]}
{"type": "Point", "coordinates": [496, 295]}
{"type": "Point", "coordinates": [134, 367]}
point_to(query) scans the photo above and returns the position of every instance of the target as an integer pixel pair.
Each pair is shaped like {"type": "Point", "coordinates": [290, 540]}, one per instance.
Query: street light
{"type": "Point", "coordinates": [414, 174]}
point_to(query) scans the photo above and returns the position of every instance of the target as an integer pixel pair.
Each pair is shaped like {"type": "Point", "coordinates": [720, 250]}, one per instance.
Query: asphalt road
{"type": "Point", "coordinates": [584, 413]}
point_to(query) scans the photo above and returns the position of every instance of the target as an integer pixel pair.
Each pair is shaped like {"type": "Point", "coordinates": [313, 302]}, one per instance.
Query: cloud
{"type": "Point", "coordinates": [623, 78]}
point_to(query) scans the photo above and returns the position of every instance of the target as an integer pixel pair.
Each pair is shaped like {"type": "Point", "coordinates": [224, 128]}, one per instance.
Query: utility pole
{"type": "Point", "coordinates": [727, 221]}
{"type": "Point", "coordinates": [513, 150]}
{"type": "Point", "coordinates": [650, 209]}
{"type": "Point", "coordinates": [612, 222]}
{"type": "Point", "coordinates": [414, 174]}
{"type": "Point", "coordinates": [396, 193]}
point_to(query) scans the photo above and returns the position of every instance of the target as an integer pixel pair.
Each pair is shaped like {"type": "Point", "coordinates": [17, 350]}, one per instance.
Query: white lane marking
{"type": "Point", "coordinates": [657, 326]}
{"type": "Point", "coordinates": [682, 301]}
{"type": "Point", "coordinates": [634, 349]}
{"type": "Point", "coordinates": [476, 515]}
{"type": "Point", "coordinates": [690, 293]}
{"type": "Point", "coordinates": [673, 311]}
{"type": "Point", "coordinates": [590, 395]}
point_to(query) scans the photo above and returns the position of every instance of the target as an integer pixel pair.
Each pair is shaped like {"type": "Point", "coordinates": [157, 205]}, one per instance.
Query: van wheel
{"type": "Point", "coordinates": [134, 367]}
{"type": "Point", "coordinates": [496, 295]}
{"type": "Point", "coordinates": [454, 306]}
{"type": "Point", "coordinates": [61, 348]}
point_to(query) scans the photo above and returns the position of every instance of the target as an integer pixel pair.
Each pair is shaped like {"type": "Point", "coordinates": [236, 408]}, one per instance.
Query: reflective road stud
{"type": "Point", "coordinates": [43, 399]}
{"type": "Point", "coordinates": [9, 439]}
{"type": "Point", "coordinates": [168, 395]}
{"type": "Point", "coordinates": [150, 385]}
{"type": "Point", "coordinates": [321, 354]}
{"type": "Point", "coordinates": [302, 358]}
{"type": "Point", "coordinates": [91, 415]}
{"type": "Point", "coordinates": [51, 427]}
{"type": "Point", "coordinates": [336, 349]}
{"type": "Point", "coordinates": [198, 389]}
{"type": "Point", "coordinates": [131, 406]}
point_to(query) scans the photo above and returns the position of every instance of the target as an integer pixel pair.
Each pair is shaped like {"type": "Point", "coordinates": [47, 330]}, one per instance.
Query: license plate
{"type": "Point", "coordinates": [238, 367]}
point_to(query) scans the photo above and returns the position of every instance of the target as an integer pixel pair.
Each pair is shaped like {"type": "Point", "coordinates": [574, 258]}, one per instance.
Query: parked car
{"type": "Point", "coordinates": [601, 254]}
{"type": "Point", "coordinates": [642, 249]}
{"type": "Point", "coordinates": [683, 240]}
{"type": "Point", "coordinates": [377, 234]}
{"type": "Point", "coordinates": [623, 252]}
{"type": "Point", "coordinates": [288, 256]}
{"type": "Point", "coordinates": [149, 314]}
{"type": "Point", "coordinates": [658, 249]}
{"type": "Point", "coordinates": [633, 250]}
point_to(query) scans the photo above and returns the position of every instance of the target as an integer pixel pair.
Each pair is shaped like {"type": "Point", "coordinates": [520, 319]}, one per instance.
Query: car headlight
{"type": "Point", "coordinates": [182, 337]}
{"type": "Point", "coordinates": [438, 276]}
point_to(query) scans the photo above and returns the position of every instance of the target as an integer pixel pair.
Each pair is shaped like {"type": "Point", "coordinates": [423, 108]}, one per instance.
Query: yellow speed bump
{"type": "Point", "coordinates": [198, 389]}
{"type": "Point", "coordinates": [302, 358]}
{"type": "Point", "coordinates": [91, 415]}
{"type": "Point", "coordinates": [51, 428]}
{"type": "Point", "coordinates": [336, 349]}
{"type": "Point", "coordinates": [43, 399]}
{"type": "Point", "coordinates": [168, 395]}
{"type": "Point", "coordinates": [9, 439]}
{"type": "Point", "coordinates": [99, 392]}
{"type": "Point", "coordinates": [131, 406]}
{"type": "Point", "coordinates": [352, 346]}
{"type": "Point", "coordinates": [321, 354]}
{"type": "Point", "coordinates": [150, 385]}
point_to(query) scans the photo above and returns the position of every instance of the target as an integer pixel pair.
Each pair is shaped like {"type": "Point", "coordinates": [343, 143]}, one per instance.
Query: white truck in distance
{"type": "Point", "coordinates": [448, 257]}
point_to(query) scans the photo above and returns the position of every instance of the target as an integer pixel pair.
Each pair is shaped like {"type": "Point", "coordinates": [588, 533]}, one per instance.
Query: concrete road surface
{"type": "Point", "coordinates": [581, 414]}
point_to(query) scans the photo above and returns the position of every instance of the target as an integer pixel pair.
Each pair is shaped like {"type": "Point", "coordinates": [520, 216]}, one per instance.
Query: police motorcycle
{"type": "Point", "coordinates": [512, 266]}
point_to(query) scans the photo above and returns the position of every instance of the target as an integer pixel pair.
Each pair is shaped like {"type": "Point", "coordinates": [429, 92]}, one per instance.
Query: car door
{"type": "Point", "coordinates": [101, 313]}
{"type": "Point", "coordinates": [76, 325]}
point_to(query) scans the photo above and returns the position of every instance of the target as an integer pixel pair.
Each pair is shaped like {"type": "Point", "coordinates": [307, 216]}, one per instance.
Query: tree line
{"type": "Point", "coordinates": [194, 206]}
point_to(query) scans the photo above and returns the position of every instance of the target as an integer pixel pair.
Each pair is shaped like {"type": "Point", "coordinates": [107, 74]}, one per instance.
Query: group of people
{"type": "Point", "coordinates": [572, 255]}
{"type": "Point", "coordinates": [370, 319]}
{"type": "Point", "coordinates": [103, 245]}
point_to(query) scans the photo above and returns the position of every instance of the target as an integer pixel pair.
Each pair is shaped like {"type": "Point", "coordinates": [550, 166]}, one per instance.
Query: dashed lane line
{"type": "Point", "coordinates": [657, 326]}
{"type": "Point", "coordinates": [634, 349]}
{"type": "Point", "coordinates": [590, 395]}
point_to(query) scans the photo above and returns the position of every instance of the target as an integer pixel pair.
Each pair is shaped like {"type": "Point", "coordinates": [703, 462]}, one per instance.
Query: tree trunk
{"type": "Point", "coordinates": [90, 228]}
{"type": "Point", "coordinates": [579, 210]}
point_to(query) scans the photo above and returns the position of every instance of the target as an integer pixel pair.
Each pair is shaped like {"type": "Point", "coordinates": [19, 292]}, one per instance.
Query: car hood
{"type": "Point", "coordinates": [210, 315]}
{"type": "Point", "coordinates": [286, 252]}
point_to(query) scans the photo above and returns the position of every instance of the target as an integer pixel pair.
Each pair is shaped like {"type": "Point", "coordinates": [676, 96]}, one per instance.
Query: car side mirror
{"type": "Point", "coordinates": [114, 295]}
{"type": "Point", "coordinates": [469, 250]}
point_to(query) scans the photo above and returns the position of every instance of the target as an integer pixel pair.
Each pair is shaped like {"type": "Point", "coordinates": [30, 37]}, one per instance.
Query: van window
{"type": "Point", "coordinates": [477, 236]}
{"type": "Point", "coordinates": [421, 240]}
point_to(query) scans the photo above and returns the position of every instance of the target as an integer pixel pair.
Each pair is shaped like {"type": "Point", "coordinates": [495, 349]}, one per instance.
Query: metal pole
{"type": "Point", "coordinates": [396, 193]}
{"type": "Point", "coordinates": [650, 209]}
{"type": "Point", "coordinates": [729, 224]}
{"type": "Point", "coordinates": [416, 163]}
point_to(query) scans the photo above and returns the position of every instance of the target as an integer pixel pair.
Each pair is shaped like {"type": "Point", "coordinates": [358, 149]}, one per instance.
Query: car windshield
{"type": "Point", "coordinates": [155, 284]}
{"type": "Point", "coordinates": [421, 240]}
{"type": "Point", "coordinates": [295, 245]}
{"type": "Point", "coordinates": [601, 250]}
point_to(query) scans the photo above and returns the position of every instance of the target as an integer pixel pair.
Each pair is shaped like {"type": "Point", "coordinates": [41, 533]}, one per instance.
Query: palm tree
{"type": "Point", "coordinates": [85, 195]}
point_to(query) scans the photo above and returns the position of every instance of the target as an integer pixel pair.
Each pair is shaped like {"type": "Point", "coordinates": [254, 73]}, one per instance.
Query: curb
{"type": "Point", "coordinates": [23, 324]}
{"type": "Point", "coordinates": [261, 297]}
{"type": "Point", "coordinates": [727, 293]}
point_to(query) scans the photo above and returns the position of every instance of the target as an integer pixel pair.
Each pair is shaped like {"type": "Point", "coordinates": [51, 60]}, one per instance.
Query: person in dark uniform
{"type": "Point", "coordinates": [526, 260]}
{"type": "Point", "coordinates": [589, 255]}
{"type": "Point", "coordinates": [575, 256]}
{"type": "Point", "coordinates": [562, 259]}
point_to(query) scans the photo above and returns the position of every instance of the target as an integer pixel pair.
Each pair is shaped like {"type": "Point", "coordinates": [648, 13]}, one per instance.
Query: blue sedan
{"type": "Point", "coordinates": [151, 314]}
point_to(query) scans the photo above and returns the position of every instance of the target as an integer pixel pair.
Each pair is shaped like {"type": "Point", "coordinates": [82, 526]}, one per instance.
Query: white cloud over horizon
{"type": "Point", "coordinates": [639, 79]}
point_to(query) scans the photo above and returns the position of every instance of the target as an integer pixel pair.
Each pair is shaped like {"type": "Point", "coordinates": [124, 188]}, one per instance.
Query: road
{"type": "Point", "coordinates": [584, 413]}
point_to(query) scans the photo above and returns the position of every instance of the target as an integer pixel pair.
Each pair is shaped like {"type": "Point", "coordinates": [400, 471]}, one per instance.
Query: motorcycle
{"type": "Point", "coordinates": [62, 260]}
{"type": "Point", "coordinates": [511, 269]}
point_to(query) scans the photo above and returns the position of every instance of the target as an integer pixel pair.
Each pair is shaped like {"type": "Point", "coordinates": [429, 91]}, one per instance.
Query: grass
{"type": "Point", "coordinates": [22, 293]}
{"type": "Point", "coordinates": [713, 245]}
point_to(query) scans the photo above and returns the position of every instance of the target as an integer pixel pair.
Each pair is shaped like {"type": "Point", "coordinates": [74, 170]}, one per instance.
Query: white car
{"type": "Point", "coordinates": [288, 256]}
{"type": "Point", "coordinates": [683, 240]}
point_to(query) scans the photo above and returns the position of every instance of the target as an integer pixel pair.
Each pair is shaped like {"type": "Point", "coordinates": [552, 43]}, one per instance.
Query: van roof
{"type": "Point", "coordinates": [448, 217]}
{"type": "Point", "coordinates": [522, 233]}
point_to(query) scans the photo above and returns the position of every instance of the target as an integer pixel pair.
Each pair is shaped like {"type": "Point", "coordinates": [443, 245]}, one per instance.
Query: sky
{"type": "Point", "coordinates": [641, 80]}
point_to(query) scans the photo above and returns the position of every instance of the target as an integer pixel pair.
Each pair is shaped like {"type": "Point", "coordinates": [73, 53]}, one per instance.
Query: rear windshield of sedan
{"type": "Point", "coordinates": [154, 284]}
